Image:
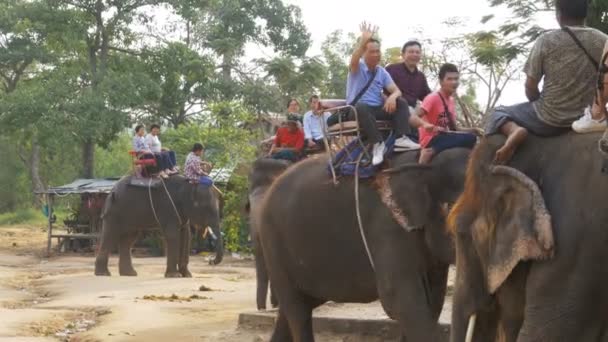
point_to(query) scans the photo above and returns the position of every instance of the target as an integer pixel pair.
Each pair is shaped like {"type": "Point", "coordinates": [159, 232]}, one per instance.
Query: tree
{"type": "Point", "coordinates": [227, 26]}
{"type": "Point", "coordinates": [336, 50]}
{"type": "Point", "coordinates": [521, 28]}
{"type": "Point", "coordinates": [99, 54]}
{"type": "Point", "coordinates": [24, 28]}
{"type": "Point", "coordinates": [185, 81]}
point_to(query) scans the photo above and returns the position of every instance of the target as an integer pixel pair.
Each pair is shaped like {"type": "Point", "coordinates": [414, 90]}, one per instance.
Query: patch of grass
{"type": "Point", "coordinates": [31, 216]}
{"type": "Point", "coordinates": [23, 216]}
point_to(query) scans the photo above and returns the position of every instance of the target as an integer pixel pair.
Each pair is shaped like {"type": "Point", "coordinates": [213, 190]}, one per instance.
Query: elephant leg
{"type": "Point", "coordinates": [404, 287]}
{"type": "Point", "coordinates": [273, 297]}
{"type": "Point", "coordinates": [125, 266]}
{"type": "Point", "coordinates": [172, 246]}
{"type": "Point", "coordinates": [107, 243]}
{"type": "Point", "coordinates": [261, 278]}
{"type": "Point", "coordinates": [184, 257]}
{"type": "Point", "coordinates": [295, 306]}
{"type": "Point", "coordinates": [281, 331]}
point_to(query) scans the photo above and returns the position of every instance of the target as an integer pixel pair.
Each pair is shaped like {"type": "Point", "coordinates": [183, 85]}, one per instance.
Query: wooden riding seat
{"type": "Point", "coordinates": [144, 162]}
{"type": "Point", "coordinates": [347, 127]}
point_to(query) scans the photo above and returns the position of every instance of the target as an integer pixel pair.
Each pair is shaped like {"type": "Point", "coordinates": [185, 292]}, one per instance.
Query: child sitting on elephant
{"type": "Point", "coordinates": [193, 169]}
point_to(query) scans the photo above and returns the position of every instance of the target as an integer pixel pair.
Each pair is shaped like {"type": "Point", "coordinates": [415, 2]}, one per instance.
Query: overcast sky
{"type": "Point", "coordinates": [400, 20]}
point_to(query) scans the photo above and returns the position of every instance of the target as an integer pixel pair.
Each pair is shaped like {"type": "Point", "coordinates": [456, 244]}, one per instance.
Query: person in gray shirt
{"type": "Point", "coordinates": [568, 77]}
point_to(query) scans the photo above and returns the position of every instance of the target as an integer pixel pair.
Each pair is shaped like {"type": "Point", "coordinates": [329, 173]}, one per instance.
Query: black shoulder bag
{"type": "Point", "coordinates": [451, 123]}
{"type": "Point", "coordinates": [345, 113]}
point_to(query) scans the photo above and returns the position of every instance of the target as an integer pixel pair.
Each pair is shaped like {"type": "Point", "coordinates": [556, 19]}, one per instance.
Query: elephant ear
{"type": "Point", "coordinates": [405, 193]}
{"type": "Point", "coordinates": [512, 226]}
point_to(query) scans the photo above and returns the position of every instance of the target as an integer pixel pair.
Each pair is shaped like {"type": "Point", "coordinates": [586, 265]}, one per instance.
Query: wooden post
{"type": "Point", "coordinates": [49, 202]}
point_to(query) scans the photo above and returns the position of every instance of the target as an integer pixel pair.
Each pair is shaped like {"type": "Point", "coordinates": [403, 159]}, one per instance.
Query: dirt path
{"type": "Point", "coordinates": [60, 298]}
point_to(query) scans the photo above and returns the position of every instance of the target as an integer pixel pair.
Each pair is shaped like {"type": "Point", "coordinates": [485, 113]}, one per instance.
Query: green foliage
{"type": "Point", "coordinates": [221, 131]}
{"type": "Point", "coordinates": [234, 224]}
{"type": "Point", "coordinates": [23, 216]}
{"type": "Point", "coordinates": [114, 161]}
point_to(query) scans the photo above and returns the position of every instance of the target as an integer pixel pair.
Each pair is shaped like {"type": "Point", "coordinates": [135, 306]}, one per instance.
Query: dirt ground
{"type": "Point", "coordinates": [59, 298]}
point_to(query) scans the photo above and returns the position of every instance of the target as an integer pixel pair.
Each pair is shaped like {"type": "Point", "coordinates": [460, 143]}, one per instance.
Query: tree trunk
{"type": "Point", "coordinates": [88, 159]}
{"type": "Point", "coordinates": [31, 160]}
{"type": "Point", "coordinates": [37, 184]}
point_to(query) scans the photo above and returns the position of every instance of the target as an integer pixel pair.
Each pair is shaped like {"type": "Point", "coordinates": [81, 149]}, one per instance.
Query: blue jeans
{"type": "Point", "coordinates": [286, 155]}
{"type": "Point", "coordinates": [447, 140]}
{"type": "Point", "coordinates": [171, 156]}
{"type": "Point", "coordinates": [205, 180]}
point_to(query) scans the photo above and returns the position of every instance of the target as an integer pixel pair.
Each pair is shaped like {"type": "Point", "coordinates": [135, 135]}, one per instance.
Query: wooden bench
{"type": "Point", "coordinates": [144, 164]}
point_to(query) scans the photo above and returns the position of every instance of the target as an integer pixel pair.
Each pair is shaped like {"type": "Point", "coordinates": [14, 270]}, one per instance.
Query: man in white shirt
{"type": "Point", "coordinates": [315, 123]}
{"type": "Point", "coordinates": [167, 156]}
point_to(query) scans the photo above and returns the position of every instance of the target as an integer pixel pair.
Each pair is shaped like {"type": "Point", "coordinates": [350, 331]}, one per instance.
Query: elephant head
{"type": "Point", "coordinates": [424, 192]}
{"type": "Point", "coordinates": [499, 220]}
{"type": "Point", "coordinates": [263, 172]}
{"type": "Point", "coordinates": [203, 207]}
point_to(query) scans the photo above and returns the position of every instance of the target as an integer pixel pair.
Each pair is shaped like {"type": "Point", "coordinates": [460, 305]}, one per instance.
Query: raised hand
{"type": "Point", "coordinates": [367, 31]}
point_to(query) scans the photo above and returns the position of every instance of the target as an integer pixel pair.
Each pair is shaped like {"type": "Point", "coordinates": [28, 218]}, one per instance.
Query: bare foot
{"type": "Point", "coordinates": [426, 155]}
{"type": "Point", "coordinates": [504, 154]}
{"type": "Point", "coordinates": [516, 136]}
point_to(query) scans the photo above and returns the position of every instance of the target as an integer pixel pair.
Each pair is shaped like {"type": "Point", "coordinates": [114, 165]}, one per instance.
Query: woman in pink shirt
{"type": "Point", "coordinates": [439, 109]}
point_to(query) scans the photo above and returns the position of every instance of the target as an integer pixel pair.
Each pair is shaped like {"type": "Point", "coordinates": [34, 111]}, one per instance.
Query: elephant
{"type": "Point", "coordinates": [315, 252]}
{"type": "Point", "coordinates": [263, 172]}
{"type": "Point", "coordinates": [130, 209]}
{"type": "Point", "coordinates": [532, 243]}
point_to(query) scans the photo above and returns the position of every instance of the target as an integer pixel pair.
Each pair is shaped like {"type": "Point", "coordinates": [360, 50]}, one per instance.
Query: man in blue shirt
{"type": "Point", "coordinates": [315, 122]}
{"type": "Point", "coordinates": [371, 105]}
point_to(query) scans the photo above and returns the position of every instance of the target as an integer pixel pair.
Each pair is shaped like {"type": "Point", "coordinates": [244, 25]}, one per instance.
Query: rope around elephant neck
{"type": "Point", "coordinates": [181, 223]}
{"type": "Point", "coordinates": [152, 203]}
{"type": "Point", "coordinates": [358, 209]}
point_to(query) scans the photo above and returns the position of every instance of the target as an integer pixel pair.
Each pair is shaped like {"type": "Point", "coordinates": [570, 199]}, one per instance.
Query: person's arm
{"type": "Point", "coordinates": [532, 91]}
{"type": "Point", "coordinates": [534, 70]}
{"type": "Point", "coordinates": [390, 104]}
{"type": "Point", "coordinates": [300, 142]}
{"type": "Point", "coordinates": [367, 31]}
{"type": "Point", "coordinates": [422, 119]}
{"type": "Point", "coordinates": [307, 129]}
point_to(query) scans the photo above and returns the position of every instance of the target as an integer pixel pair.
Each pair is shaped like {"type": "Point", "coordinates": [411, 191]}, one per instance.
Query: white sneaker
{"type": "Point", "coordinates": [405, 143]}
{"type": "Point", "coordinates": [378, 153]}
{"type": "Point", "coordinates": [587, 124]}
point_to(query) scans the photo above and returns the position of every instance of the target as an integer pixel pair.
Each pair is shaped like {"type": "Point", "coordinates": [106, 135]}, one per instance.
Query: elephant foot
{"type": "Point", "coordinates": [103, 273]}
{"type": "Point", "coordinates": [128, 273]}
{"type": "Point", "coordinates": [185, 273]}
{"type": "Point", "coordinates": [173, 274]}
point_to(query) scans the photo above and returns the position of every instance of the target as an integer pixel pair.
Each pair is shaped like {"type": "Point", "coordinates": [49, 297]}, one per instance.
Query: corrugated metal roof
{"type": "Point", "coordinates": [80, 186]}
{"type": "Point", "coordinates": [221, 175]}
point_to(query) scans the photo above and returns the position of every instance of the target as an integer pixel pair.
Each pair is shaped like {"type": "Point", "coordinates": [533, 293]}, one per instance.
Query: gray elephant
{"type": "Point", "coordinates": [263, 172]}
{"type": "Point", "coordinates": [523, 275]}
{"type": "Point", "coordinates": [315, 252]}
{"type": "Point", "coordinates": [130, 209]}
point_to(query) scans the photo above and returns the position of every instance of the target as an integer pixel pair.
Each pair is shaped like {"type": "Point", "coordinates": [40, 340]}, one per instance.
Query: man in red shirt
{"type": "Point", "coordinates": [288, 143]}
{"type": "Point", "coordinates": [439, 109]}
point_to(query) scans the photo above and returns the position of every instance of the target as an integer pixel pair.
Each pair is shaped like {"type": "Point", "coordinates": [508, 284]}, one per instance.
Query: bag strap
{"type": "Point", "coordinates": [448, 113]}
{"type": "Point", "coordinates": [580, 45]}
{"type": "Point", "coordinates": [364, 89]}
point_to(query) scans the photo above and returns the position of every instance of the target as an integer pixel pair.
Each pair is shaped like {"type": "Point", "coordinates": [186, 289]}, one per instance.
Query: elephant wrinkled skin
{"type": "Point", "coordinates": [128, 211]}
{"type": "Point", "coordinates": [314, 251]}
{"type": "Point", "coordinates": [527, 276]}
{"type": "Point", "coordinates": [263, 173]}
